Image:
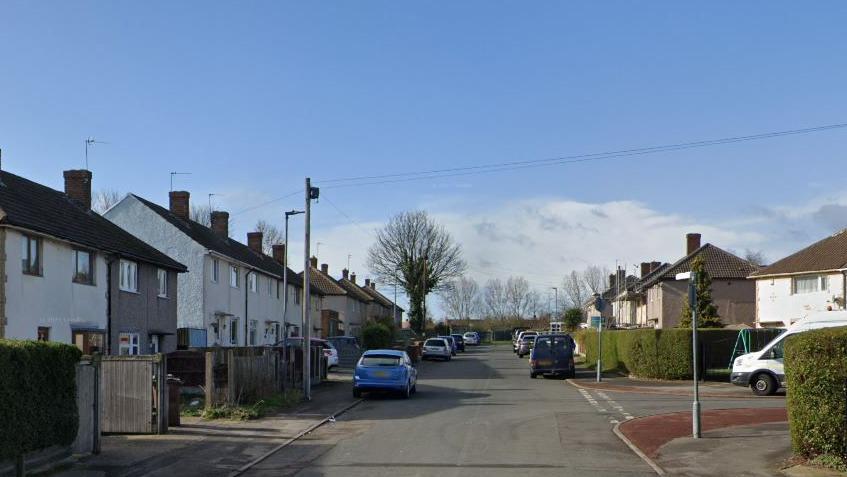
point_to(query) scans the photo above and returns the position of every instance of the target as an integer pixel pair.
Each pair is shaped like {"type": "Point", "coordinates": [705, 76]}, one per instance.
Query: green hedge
{"type": "Point", "coordinates": [37, 396]}
{"type": "Point", "coordinates": [816, 373]}
{"type": "Point", "coordinates": [377, 336]}
{"type": "Point", "coordinates": [657, 354]}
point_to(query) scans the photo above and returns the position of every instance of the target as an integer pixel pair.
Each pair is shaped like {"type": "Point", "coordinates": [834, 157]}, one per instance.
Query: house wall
{"type": "Point", "coordinates": [735, 300]}
{"type": "Point", "coordinates": [624, 312]}
{"type": "Point", "coordinates": [53, 300]}
{"type": "Point", "coordinates": [145, 310]}
{"type": "Point", "coordinates": [777, 305]}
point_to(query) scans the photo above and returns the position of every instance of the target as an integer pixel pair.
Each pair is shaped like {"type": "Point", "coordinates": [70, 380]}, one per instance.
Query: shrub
{"type": "Point", "coordinates": [37, 396]}
{"type": "Point", "coordinates": [816, 372]}
{"type": "Point", "coordinates": [376, 335]}
{"type": "Point", "coordinates": [647, 353]}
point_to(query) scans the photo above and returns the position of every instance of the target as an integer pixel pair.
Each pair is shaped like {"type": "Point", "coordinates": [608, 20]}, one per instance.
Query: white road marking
{"type": "Point", "coordinates": [611, 404]}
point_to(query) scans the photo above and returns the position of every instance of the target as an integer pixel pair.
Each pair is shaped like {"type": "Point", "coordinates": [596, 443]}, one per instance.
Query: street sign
{"type": "Point", "coordinates": [596, 321]}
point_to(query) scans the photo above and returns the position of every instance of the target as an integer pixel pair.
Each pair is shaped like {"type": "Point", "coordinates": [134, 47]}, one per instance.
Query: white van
{"type": "Point", "coordinates": [763, 370]}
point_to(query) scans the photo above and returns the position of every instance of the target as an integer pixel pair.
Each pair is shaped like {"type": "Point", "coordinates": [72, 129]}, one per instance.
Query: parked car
{"type": "Point", "coordinates": [526, 344]}
{"type": "Point", "coordinates": [520, 337]}
{"type": "Point", "coordinates": [342, 341]}
{"type": "Point", "coordinates": [552, 354]}
{"type": "Point", "coordinates": [471, 338]}
{"type": "Point", "coordinates": [764, 370]}
{"type": "Point", "coordinates": [331, 354]}
{"type": "Point", "coordinates": [460, 342]}
{"type": "Point", "coordinates": [451, 342]}
{"type": "Point", "coordinates": [385, 370]}
{"type": "Point", "coordinates": [436, 348]}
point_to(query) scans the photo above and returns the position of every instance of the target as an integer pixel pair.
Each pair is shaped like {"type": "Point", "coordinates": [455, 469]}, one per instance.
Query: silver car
{"type": "Point", "coordinates": [437, 348]}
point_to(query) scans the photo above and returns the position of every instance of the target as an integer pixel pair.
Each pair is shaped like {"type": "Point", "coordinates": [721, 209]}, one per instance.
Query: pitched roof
{"type": "Point", "coordinates": [323, 282]}
{"type": "Point", "coordinates": [355, 291]}
{"type": "Point", "coordinates": [639, 285]}
{"type": "Point", "coordinates": [379, 297]}
{"type": "Point", "coordinates": [718, 263]}
{"type": "Point", "coordinates": [824, 255]}
{"type": "Point", "coordinates": [32, 206]}
{"type": "Point", "coordinates": [629, 281]}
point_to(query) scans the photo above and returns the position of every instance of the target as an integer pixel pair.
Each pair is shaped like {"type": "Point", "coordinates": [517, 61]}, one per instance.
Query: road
{"type": "Point", "coordinates": [478, 415]}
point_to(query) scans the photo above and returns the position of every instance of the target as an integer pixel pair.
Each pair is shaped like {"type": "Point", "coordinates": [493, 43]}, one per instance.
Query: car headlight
{"type": "Point", "coordinates": [739, 361]}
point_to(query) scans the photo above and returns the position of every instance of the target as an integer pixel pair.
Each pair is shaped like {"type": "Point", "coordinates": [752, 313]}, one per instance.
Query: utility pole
{"type": "Point", "coordinates": [695, 407]}
{"type": "Point", "coordinates": [423, 323]}
{"type": "Point", "coordinates": [556, 305]}
{"type": "Point", "coordinates": [285, 280]}
{"type": "Point", "coordinates": [311, 193]}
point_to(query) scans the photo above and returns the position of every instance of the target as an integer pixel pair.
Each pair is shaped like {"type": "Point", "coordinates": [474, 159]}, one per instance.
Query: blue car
{"type": "Point", "coordinates": [385, 370]}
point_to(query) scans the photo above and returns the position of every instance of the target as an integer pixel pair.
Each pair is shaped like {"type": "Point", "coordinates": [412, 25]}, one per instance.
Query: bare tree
{"type": "Point", "coordinates": [575, 289]}
{"type": "Point", "coordinates": [596, 279]}
{"type": "Point", "coordinates": [417, 254]}
{"type": "Point", "coordinates": [270, 235]}
{"type": "Point", "coordinates": [756, 257]}
{"type": "Point", "coordinates": [202, 214]}
{"type": "Point", "coordinates": [521, 300]}
{"type": "Point", "coordinates": [495, 300]}
{"type": "Point", "coordinates": [104, 199]}
{"type": "Point", "coordinates": [461, 298]}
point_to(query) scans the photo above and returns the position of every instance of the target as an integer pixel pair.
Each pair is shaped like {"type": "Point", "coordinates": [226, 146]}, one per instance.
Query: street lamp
{"type": "Point", "coordinates": [556, 304]}
{"type": "Point", "coordinates": [285, 278]}
{"type": "Point", "coordinates": [692, 303]}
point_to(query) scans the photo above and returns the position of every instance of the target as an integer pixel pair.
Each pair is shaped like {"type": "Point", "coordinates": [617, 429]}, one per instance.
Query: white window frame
{"type": "Point", "coordinates": [270, 286]}
{"type": "Point", "coordinates": [132, 347]}
{"type": "Point", "coordinates": [89, 278]}
{"type": "Point", "coordinates": [233, 276]}
{"type": "Point", "coordinates": [128, 276]}
{"type": "Point", "coordinates": [155, 344]}
{"type": "Point", "coordinates": [821, 284]}
{"type": "Point", "coordinates": [252, 329]}
{"type": "Point", "coordinates": [216, 270]}
{"type": "Point", "coordinates": [233, 331]}
{"type": "Point", "coordinates": [252, 281]}
{"type": "Point", "coordinates": [30, 244]}
{"type": "Point", "coordinates": [162, 280]}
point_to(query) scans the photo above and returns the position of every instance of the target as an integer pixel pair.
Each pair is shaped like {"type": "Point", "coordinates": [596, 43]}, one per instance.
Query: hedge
{"type": "Point", "coordinates": [37, 396]}
{"type": "Point", "coordinates": [816, 373]}
{"type": "Point", "coordinates": [656, 354]}
{"type": "Point", "coordinates": [377, 336]}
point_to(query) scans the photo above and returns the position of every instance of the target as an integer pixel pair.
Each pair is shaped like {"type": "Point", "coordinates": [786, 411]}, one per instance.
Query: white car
{"type": "Point", "coordinates": [471, 338]}
{"type": "Point", "coordinates": [437, 348]}
{"type": "Point", "coordinates": [764, 370]}
{"type": "Point", "coordinates": [331, 355]}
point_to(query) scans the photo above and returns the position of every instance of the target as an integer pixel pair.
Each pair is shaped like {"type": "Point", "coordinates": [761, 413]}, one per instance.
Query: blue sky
{"type": "Point", "coordinates": [251, 97]}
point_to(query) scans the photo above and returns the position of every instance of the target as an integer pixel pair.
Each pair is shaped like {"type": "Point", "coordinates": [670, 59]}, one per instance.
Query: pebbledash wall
{"type": "Point", "coordinates": [52, 299]}
{"type": "Point", "coordinates": [778, 306]}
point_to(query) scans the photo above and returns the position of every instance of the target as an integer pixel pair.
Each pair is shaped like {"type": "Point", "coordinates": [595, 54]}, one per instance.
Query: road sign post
{"type": "Point", "coordinates": [598, 322]}
{"type": "Point", "coordinates": [692, 303]}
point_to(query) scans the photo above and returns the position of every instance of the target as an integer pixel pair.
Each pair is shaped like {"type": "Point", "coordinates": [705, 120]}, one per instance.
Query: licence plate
{"type": "Point", "coordinates": [380, 374]}
{"type": "Point", "coordinates": [544, 362]}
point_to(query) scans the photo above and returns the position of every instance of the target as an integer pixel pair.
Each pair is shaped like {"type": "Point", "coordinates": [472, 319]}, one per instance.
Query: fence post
{"type": "Point", "coordinates": [210, 379]}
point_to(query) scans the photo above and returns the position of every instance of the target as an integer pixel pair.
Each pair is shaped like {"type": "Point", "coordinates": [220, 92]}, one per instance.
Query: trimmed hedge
{"type": "Point", "coordinates": [656, 354]}
{"type": "Point", "coordinates": [816, 373]}
{"type": "Point", "coordinates": [377, 336]}
{"type": "Point", "coordinates": [37, 396]}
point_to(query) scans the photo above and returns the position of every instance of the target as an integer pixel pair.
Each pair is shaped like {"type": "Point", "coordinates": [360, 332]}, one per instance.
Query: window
{"type": "Point", "coordinates": [162, 275]}
{"type": "Point", "coordinates": [154, 343]}
{"type": "Point", "coordinates": [128, 344]}
{"type": "Point", "coordinates": [83, 267]}
{"type": "Point", "coordinates": [233, 331]}
{"type": "Point", "coordinates": [129, 276]}
{"type": "Point", "coordinates": [296, 297]}
{"type": "Point", "coordinates": [43, 333]}
{"type": "Point", "coordinates": [89, 342]}
{"type": "Point", "coordinates": [270, 286]}
{"type": "Point", "coordinates": [251, 331]}
{"type": "Point", "coordinates": [233, 276]}
{"type": "Point", "coordinates": [251, 281]}
{"type": "Point", "coordinates": [216, 270]}
{"type": "Point", "coordinates": [31, 255]}
{"type": "Point", "coordinates": [810, 284]}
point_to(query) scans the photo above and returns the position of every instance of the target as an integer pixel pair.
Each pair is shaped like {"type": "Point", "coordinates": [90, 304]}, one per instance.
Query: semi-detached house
{"type": "Point", "coordinates": [232, 294]}
{"type": "Point", "coordinates": [69, 275]}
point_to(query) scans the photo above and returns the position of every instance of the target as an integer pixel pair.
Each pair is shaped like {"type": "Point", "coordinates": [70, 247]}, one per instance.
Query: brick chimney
{"type": "Point", "coordinates": [655, 265]}
{"type": "Point", "coordinates": [645, 268]}
{"type": "Point", "coordinates": [314, 262]}
{"type": "Point", "coordinates": [254, 241]}
{"type": "Point", "coordinates": [78, 186]}
{"type": "Point", "coordinates": [373, 285]}
{"type": "Point", "coordinates": [353, 277]}
{"type": "Point", "coordinates": [345, 274]}
{"type": "Point", "coordinates": [220, 223]}
{"type": "Point", "coordinates": [279, 253]}
{"type": "Point", "coordinates": [325, 268]}
{"type": "Point", "coordinates": [612, 280]}
{"type": "Point", "coordinates": [692, 242]}
{"type": "Point", "coordinates": [367, 282]}
{"type": "Point", "coordinates": [179, 204]}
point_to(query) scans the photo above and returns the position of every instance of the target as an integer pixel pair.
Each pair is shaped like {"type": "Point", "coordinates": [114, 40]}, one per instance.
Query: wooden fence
{"type": "Point", "coordinates": [134, 394]}
{"type": "Point", "coordinates": [88, 400]}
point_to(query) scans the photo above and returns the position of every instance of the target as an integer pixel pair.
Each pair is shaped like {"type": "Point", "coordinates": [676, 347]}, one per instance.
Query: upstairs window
{"type": "Point", "coordinates": [31, 255]}
{"type": "Point", "coordinates": [251, 281]}
{"type": "Point", "coordinates": [129, 276]}
{"type": "Point", "coordinates": [270, 286]}
{"type": "Point", "coordinates": [83, 267]}
{"type": "Point", "coordinates": [233, 276]}
{"type": "Point", "coordinates": [162, 276]}
{"type": "Point", "coordinates": [810, 284]}
{"type": "Point", "coordinates": [216, 270]}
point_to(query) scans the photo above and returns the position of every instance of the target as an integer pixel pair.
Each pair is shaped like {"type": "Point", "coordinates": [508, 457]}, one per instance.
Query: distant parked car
{"type": "Point", "coordinates": [385, 370]}
{"type": "Point", "coordinates": [331, 355]}
{"type": "Point", "coordinates": [552, 354]}
{"type": "Point", "coordinates": [471, 338]}
{"type": "Point", "coordinates": [437, 348]}
{"type": "Point", "coordinates": [526, 344]}
{"type": "Point", "coordinates": [342, 341]}
{"type": "Point", "coordinates": [460, 342]}
{"type": "Point", "coordinates": [451, 342]}
{"type": "Point", "coordinates": [520, 337]}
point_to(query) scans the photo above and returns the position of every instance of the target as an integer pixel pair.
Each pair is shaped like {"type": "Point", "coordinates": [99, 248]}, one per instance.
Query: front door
{"type": "Point", "coordinates": [89, 342]}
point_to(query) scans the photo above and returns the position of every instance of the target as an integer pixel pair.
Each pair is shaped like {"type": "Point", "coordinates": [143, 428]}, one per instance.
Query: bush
{"type": "Point", "coordinates": [816, 373]}
{"type": "Point", "coordinates": [376, 336]}
{"type": "Point", "coordinates": [37, 396]}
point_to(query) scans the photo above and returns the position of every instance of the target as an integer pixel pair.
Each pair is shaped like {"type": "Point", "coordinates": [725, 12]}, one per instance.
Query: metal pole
{"type": "Point", "coordinates": [394, 304]}
{"type": "Point", "coordinates": [600, 348]}
{"type": "Point", "coordinates": [695, 408]}
{"type": "Point", "coordinates": [285, 289]}
{"type": "Point", "coordinates": [307, 324]}
{"type": "Point", "coordinates": [423, 323]}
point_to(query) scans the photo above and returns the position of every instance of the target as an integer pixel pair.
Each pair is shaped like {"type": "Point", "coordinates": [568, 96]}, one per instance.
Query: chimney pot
{"type": "Point", "coordinates": [373, 285]}
{"type": "Point", "coordinates": [254, 241]}
{"type": "Point", "coordinates": [78, 186]}
{"type": "Point", "coordinates": [220, 223]}
{"type": "Point", "coordinates": [367, 282]}
{"type": "Point", "coordinates": [353, 277]}
{"type": "Point", "coordinates": [611, 280]}
{"type": "Point", "coordinates": [179, 203]}
{"type": "Point", "coordinates": [655, 265]}
{"type": "Point", "coordinates": [325, 268]}
{"type": "Point", "coordinates": [279, 253]}
{"type": "Point", "coordinates": [314, 262]}
{"type": "Point", "coordinates": [645, 268]}
{"type": "Point", "coordinates": [692, 242]}
{"type": "Point", "coordinates": [345, 273]}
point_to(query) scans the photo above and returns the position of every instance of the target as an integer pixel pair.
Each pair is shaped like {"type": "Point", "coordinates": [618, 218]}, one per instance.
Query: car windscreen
{"type": "Point", "coordinates": [380, 360]}
{"type": "Point", "coordinates": [557, 344]}
{"type": "Point", "coordinates": [435, 343]}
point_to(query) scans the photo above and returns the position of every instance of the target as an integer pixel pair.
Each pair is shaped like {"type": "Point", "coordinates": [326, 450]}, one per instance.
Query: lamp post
{"type": "Point", "coordinates": [312, 193]}
{"type": "Point", "coordinates": [285, 278]}
{"type": "Point", "coordinates": [692, 303]}
{"type": "Point", "coordinates": [556, 304]}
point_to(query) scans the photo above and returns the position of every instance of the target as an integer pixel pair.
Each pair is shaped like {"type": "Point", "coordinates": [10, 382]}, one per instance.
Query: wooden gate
{"type": "Point", "coordinates": [134, 399]}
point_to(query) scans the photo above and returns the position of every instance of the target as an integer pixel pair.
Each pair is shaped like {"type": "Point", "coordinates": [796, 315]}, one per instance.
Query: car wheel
{"type": "Point", "coordinates": [571, 374]}
{"type": "Point", "coordinates": [533, 375]}
{"type": "Point", "coordinates": [763, 384]}
{"type": "Point", "coordinates": [414, 388]}
{"type": "Point", "coordinates": [407, 393]}
{"type": "Point", "coordinates": [357, 393]}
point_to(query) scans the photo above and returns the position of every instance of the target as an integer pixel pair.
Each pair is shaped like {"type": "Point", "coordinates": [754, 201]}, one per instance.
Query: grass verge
{"type": "Point", "coordinates": [243, 412]}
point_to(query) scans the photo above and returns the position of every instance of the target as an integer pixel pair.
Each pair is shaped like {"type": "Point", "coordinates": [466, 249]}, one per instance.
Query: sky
{"type": "Point", "coordinates": [252, 97]}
